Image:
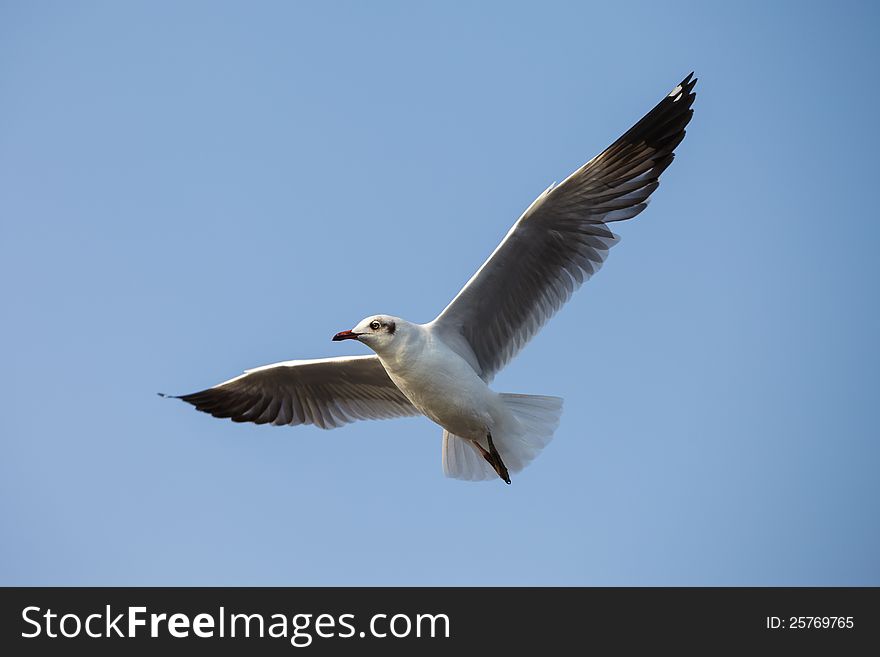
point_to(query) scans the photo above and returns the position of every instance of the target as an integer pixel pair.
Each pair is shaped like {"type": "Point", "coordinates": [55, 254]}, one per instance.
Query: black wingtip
{"type": "Point", "coordinates": [164, 396]}
{"type": "Point", "coordinates": [686, 86]}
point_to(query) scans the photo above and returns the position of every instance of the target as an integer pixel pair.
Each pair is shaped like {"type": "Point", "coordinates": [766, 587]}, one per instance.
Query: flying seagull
{"type": "Point", "coordinates": [443, 369]}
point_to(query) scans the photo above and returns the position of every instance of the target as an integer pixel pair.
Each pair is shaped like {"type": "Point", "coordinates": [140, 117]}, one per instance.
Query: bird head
{"type": "Point", "coordinates": [377, 332]}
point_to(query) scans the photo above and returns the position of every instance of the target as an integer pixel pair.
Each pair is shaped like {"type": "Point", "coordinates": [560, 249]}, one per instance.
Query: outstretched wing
{"type": "Point", "coordinates": [561, 240]}
{"type": "Point", "coordinates": [327, 392]}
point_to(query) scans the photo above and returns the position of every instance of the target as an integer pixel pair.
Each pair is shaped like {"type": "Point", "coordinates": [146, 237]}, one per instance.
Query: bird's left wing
{"type": "Point", "coordinates": [561, 240]}
{"type": "Point", "coordinates": [326, 392]}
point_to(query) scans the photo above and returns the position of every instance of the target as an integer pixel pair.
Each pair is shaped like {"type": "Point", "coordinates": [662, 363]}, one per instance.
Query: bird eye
{"type": "Point", "coordinates": [375, 325]}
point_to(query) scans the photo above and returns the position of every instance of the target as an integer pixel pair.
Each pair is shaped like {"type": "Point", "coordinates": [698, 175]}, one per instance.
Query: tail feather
{"type": "Point", "coordinates": [534, 419]}
{"type": "Point", "coordinates": [462, 460]}
{"type": "Point", "coordinates": [537, 418]}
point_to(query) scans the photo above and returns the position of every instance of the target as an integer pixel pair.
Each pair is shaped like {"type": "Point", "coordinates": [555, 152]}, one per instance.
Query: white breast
{"type": "Point", "coordinates": [443, 386]}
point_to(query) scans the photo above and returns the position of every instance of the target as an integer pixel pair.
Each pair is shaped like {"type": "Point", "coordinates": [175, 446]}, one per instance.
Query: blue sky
{"type": "Point", "coordinates": [191, 189]}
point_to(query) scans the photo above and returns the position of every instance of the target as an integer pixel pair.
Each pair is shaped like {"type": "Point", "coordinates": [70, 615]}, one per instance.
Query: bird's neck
{"type": "Point", "coordinates": [404, 352]}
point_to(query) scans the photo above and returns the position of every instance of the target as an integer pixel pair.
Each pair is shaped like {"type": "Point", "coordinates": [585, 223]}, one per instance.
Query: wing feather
{"type": "Point", "coordinates": [327, 392]}
{"type": "Point", "coordinates": [561, 240]}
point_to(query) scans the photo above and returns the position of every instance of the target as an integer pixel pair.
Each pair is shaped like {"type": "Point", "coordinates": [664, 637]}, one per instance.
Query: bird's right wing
{"type": "Point", "coordinates": [326, 392]}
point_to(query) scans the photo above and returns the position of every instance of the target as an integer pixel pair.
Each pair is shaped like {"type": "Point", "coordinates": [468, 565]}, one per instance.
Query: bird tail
{"type": "Point", "coordinates": [533, 419]}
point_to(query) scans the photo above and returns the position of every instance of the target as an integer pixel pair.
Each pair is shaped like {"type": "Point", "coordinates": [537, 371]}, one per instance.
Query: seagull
{"type": "Point", "coordinates": [443, 369]}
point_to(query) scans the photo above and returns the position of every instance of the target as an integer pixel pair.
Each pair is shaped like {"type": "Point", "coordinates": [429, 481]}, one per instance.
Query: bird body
{"type": "Point", "coordinates": [440, 383]}
{"type": "Point", "coordinates": [443, 369]}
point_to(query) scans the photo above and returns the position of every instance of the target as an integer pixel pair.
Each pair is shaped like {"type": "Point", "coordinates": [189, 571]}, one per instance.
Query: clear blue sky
{"type": "Point", "coordinates": [191, 189]}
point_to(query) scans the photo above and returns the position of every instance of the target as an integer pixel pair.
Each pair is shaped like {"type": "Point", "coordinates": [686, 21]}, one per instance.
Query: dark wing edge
{"type": "Point", "coordinates": [615, 185]}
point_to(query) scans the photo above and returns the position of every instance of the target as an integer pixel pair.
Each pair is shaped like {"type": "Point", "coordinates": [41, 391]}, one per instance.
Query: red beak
{"type": "Point", "coordinates": [345, 335]}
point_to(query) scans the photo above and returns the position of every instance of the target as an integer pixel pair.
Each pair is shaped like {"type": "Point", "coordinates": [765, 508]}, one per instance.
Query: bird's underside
{"type": "Point", "coordinates": [558, 243]}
